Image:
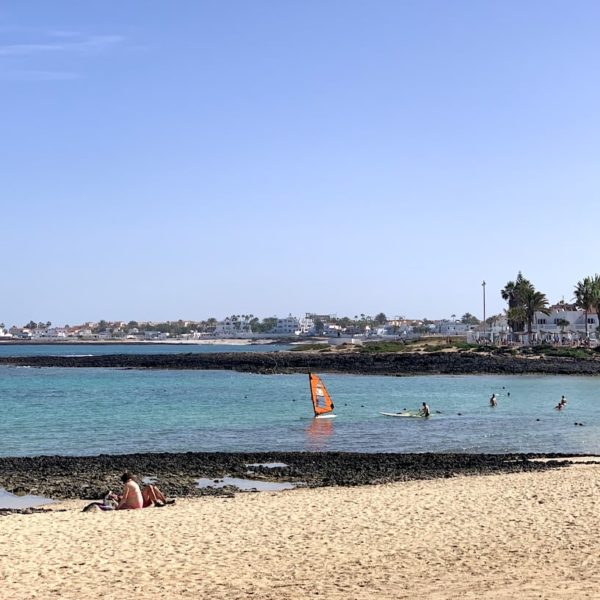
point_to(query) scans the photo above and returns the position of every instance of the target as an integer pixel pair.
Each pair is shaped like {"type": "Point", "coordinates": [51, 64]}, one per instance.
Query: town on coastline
{"type": "Point", "coordinates": [528, 319]}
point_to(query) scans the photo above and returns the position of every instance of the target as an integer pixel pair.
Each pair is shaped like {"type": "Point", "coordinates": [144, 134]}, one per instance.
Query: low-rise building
{"type": "Point", "coordinates": [287, 326]}
{"type": "Point", "coordinates": [451, 328]}
{"type": "Point", "coordinates": [565, 323]}
{"type": "Point", "coordinates": [233, 327]}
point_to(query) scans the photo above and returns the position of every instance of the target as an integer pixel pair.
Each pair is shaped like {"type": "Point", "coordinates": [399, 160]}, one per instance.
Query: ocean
{"type": "Point", "coordinates": [95, 349]}
{"type": "Point", "coordinates": [84, 411]}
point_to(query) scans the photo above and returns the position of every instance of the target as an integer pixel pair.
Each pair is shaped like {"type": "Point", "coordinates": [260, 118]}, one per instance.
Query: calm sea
{"type": "Point", "coordinates": [93, 411]}
{"type": "Point", "coordinates": [28, 349]}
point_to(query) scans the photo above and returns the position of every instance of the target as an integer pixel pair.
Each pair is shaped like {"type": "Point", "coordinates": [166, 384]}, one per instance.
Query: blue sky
{"type": "Point", "coordinates": [165, 160]}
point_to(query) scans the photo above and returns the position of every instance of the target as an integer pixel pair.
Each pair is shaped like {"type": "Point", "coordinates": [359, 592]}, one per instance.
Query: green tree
{"type": "Point", "coordinates": [586, 297]}
{"type": "Point", "coordinates": [469, 319]}
{"type": "Point", "coordinates": [562, 323]}
{"type": "Point", "coordinates": [512, 293]}
{"type": "Point", "coordinates": [380, 319]}
{"type": "Point", "coordinates": [319, 326]}
{"type": "Point", "coordinates": [265, 326]}
{"type": "Point", "coordinates": [532, 302]}
{"type": "Point", "coordinates": [523, 302]}
{"type": "Point", "coordinates": [102, 325]}
{"type": "Point", "coordinates": [491, 321]}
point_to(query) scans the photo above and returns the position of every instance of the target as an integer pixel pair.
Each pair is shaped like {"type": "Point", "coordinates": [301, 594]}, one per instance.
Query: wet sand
{"type": "Point", "coordinates": [518, 535]}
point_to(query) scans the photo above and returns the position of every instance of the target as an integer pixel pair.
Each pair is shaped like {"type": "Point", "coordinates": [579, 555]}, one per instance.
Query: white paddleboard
{"type": "Point", "coordinates": [326, 416]}
{"type": "Point", "coordinates": [406, 415]}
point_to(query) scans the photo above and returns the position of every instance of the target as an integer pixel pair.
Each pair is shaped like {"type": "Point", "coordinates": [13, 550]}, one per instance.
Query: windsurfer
{"type": "Point", "coordinates": [424, 411]}
{"type": "Point", "coordinates": [493, 402]}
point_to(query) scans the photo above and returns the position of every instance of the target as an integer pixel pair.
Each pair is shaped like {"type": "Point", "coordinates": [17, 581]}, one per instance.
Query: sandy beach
{"type": "Point", "coordinates": [522, 535]}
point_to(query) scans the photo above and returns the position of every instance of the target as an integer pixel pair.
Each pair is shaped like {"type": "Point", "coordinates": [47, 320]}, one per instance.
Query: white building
{"type": "Point", "coordinates": [306, 326]}
{"type": "Point", "coordinates": [56, 332]}
{"type": "Point", "coordinates": [565, 323]}
{"type": "Point", "coordinates": [233, 327]}
{"type": "Point", "coordinates": [330, 329]}
{"type": "Point", "coordinates": [451, 328]}
{"type": "Point", "coordinates": [288, 326]}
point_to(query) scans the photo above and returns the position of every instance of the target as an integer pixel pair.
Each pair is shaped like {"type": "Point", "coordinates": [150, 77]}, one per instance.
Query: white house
{"type": "Point", "coordinates": [288, 326]}
{"type": "Point", "coordinates": [306, 326]}
{"type": "Point", "coordinates": [233, 328]}
{"type": "Point", "coordinates": [565, 323]}
{"type": "Point", "coordinates": [56, 332]}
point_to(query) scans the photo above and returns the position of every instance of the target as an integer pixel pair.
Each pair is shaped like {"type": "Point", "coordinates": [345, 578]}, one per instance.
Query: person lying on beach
{"type": "Point", "coordinates": [109, 502]}
{"type": "Point", "coordinates": [133, 497]}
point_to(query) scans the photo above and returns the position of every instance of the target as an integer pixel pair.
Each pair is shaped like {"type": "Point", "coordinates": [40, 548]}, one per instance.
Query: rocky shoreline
{"type": "Point", "coordinates": [385, 363]}
{"type": "Point", "coordinates": [90, 477]}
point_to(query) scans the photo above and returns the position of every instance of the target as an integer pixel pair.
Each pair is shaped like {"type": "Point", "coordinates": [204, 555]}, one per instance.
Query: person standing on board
{"type": "Point", "coordinates": [425, 412]}
{"type": "Point", "coordinates": [493, 401]}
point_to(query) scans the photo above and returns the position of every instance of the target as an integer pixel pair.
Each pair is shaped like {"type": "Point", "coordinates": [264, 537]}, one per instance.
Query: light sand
{"type": "Point", "coordinates": [508, 536]}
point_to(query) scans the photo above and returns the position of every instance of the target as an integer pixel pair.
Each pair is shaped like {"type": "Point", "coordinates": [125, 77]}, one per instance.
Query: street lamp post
{"type": "Point", "coordinates": [484, 324]}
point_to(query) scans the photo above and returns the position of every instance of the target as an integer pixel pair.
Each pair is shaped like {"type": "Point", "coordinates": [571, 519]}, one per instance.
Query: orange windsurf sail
{"type": "Point", "coordinates": [319, 395]}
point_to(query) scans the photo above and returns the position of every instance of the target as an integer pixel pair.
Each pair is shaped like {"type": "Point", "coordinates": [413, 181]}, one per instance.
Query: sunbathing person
{"type": "Point", "coordinates": [133, 497]}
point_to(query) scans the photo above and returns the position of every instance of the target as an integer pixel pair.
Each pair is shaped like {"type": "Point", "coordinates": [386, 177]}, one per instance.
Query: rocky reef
{"type": "Point", "coordinates": [384, 363]}
{"type": "Point", "coordinates": [90, 477]}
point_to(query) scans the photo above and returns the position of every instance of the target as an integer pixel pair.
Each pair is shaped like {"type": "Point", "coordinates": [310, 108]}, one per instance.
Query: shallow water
{"type": "Point", "coordinates": [92, 349]}
{"type": "Point", "coordinates": [247, 485]}
{"type": "Point", "coordinates": [94, 411]}
{"type": "Point", "coordinates": [12, 501]}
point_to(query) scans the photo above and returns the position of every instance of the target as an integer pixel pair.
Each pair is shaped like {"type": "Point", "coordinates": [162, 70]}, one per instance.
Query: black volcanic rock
{"type": "Point", "coordinates": [385, 363]}
{"type": "Point", "coordinates": [91, 477]}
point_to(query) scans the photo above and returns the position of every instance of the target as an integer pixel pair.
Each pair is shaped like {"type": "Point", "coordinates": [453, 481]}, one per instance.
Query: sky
{"type": "Point", "coordinates": [163, 160]}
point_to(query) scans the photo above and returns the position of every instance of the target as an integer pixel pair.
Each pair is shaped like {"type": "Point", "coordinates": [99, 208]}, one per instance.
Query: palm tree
{"type": "Point", "coordinates": [585, 297]}
{"type": "Point", "coordinates": [532, 302]}
{"type": "Point", "coordinates": [596, 295]}
{"type": "Point", "coordinates": [511, 293]}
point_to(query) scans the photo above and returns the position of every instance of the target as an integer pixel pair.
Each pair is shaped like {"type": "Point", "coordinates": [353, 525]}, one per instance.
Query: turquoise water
{"type": "Point", "coordinates": [28, 349]}
{"type": "Point", "coordinates": [93, 411]}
